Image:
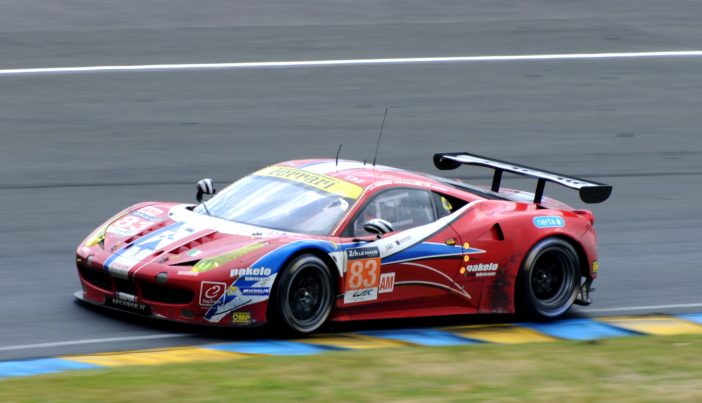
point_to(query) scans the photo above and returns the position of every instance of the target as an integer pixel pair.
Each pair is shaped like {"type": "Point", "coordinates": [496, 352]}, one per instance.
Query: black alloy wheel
{"type": "Point", "coordinates": [548, 282]}
{"type": "Point", "coordinates": [305, 295]}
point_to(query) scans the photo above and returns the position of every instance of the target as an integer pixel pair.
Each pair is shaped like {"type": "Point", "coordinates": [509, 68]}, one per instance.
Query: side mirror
{"type": "Point", "coordinates": [204, 187]}
{"type": "Point", "coordinates": [378, 226]}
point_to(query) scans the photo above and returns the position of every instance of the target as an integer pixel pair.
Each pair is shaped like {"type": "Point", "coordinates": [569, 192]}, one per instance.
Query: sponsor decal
{"type": "Point", "coordinates": [187, 273]}
{"type": "Point", "coordinates": [481, 270]}
{"type": "Point", "coordinates": [318, 181]}
{"type": "Point", "coordinates": [242, 318]}
{"type": "Point", "coordinates": [120, 268]}
{"type": "Point", "coordinates": [218, 261]}
{"type": "Point", "coordinates": [367, 294]}
{"type": "Point", "coordinates": [256, 279]}
{"type": "Point", "coordinates": [143, 215]}
{"type": "Point", "coordinates": [118, 302]}
{"type": "Point", "coordinates": [362, 275]}
{"type": "Point", "coordinates": [251, 271]}
{"type": "Point", "coordinates": [119, 231]}
{"type": "Point", "coordinates": [151, 211]}
{"type": "Point", "coordinates": [403, 240]}
{"type": "Point", "coordinates": [255, 291]}
{"type": "Point", "coordinates": [362, 253]}
{"type": "Point", "coordinates": [353, 179]}
{"type": "Point", "coordinates": [595, 266]}
{"type": "Point", "coordinates": [387, 283]}
{"type": "Point", "coordinates": [194, 252]}
{"type": "Point", "coordinates": [549, 222]}
{"type": "Point", "coordinates": [210, 292]}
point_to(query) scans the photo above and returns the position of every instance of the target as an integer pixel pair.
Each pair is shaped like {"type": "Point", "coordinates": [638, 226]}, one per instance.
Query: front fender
{"type": "Point", "coordinates": [255, 283]}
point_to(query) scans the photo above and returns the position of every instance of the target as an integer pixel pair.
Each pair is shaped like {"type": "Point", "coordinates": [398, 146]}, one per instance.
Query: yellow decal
{"type": "Point", "coordinates": [96, 237]}
{"type": "Point", "coordinates": [241, 317]}
{"type": "Point", "coordinates": [322, 182]}
{"type": "Point", "coordinates": [595, 266]}
{"type": "Point", "coordinates": [215, 262]}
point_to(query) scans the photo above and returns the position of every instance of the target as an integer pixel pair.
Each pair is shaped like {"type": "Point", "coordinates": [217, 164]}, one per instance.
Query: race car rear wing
{"type": "Point", "coordinates": [590, 192]}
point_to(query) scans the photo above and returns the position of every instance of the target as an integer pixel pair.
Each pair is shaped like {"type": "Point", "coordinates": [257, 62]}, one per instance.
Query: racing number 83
{"type": "Point", "coordinates": [131, 223]}
{"type": "Point", "coordinates": [363, 273]}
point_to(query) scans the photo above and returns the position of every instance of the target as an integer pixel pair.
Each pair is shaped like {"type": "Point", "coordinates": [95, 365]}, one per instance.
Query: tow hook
{"type": "Point", "coordinates": [584, 291]}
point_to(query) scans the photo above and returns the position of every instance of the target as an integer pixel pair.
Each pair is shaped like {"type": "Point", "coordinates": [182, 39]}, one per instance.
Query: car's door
{"type": "Point", "coordinates": [412, 267]}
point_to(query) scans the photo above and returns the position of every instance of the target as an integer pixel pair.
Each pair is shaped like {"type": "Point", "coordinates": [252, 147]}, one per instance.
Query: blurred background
{"type": "Point", "coordinates": [77, 147]}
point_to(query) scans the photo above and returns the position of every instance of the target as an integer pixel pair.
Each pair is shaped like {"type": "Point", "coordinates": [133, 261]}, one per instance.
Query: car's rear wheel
{"type": "Point", "coordinates": [304, 295]}
{"type": "Point", "coordinates": [548, 281]}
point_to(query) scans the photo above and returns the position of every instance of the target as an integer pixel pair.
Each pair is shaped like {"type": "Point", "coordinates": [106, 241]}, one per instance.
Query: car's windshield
{"type": "Point", "coordinates": [279, 204]}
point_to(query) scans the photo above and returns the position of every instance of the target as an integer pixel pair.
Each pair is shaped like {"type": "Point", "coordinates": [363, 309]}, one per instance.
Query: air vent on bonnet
{"type": "Point", "coordinates": [146, 231]}
{"type": "Point", "coordinates": [197, 242]}
{"type": "Point", "coordinates": [211, 237]}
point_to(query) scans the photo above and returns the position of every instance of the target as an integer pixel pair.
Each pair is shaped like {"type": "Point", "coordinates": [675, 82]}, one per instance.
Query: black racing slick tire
{"type": "Point", "coordinates": [304, 295]}
{"type": "Point", "coordinates": [549, 279]}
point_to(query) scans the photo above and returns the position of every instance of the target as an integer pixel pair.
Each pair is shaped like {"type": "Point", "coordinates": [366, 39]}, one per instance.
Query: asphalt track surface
{"type": "Point", "coordinates": [75, 148]}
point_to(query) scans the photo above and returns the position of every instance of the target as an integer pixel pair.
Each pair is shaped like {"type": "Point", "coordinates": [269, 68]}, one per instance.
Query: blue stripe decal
{"type": "Point", "coordinates": [692, 317]}
{"type": "Point", "coordinates": [275, 257]}
{"type": "Point", "coordinates": [139, 242]}
{"type": "Point", "coordinates": [425, 250]}
{"type": "Point", "coordinates": [40, 366]}
{"type": "Point", "coordinates": [579, 329]}
{"type": "Point", "coordinates": [272, 260]}
{"type": "Point", "coordinates": [114, 256]}
{"type": "Point", "coordinates": [422, 337]}
{"type": "Point", "coordinates": [271, 347]}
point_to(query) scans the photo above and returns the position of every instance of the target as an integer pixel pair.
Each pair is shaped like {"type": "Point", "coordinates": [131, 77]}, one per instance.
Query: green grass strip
{"type": "Point", "coordinates": [628, 369]}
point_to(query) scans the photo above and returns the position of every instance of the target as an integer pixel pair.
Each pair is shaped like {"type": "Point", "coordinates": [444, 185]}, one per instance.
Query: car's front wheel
{"type": "Point", "coordinates": [548, 281]}
{"type": "Point", "coordinates": [304, 295]}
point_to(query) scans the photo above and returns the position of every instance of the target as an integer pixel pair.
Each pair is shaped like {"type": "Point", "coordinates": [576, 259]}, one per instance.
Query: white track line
{"type": "Point", "coordinates": [92, 341]}
{"type": "Point", "coordinates": [353, 62]}
{"type": "Point", "coordinates": [641, 308]}
{"type": "Point", "coordinates": [177, 335]}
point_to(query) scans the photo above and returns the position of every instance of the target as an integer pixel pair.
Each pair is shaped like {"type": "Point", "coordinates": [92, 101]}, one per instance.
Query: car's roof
{"type": "Point", "coordinates": [365, 176]}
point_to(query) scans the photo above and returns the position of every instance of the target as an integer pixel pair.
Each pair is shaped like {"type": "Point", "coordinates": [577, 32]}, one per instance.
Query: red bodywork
{"type": "Point", "coordinates": [489, 237]}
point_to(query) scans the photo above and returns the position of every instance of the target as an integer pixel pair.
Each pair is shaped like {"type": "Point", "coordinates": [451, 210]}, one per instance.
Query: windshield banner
{"type": "Point", "coordinates": [321, 182]}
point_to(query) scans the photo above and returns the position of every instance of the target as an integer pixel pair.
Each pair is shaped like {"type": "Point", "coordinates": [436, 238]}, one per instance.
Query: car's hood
{"type": "Point", "coordinates": [173, 235]}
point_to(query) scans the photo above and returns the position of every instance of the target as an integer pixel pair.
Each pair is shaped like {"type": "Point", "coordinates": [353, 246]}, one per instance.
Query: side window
{"type": "Point", "coordinates": [403, 208]}
{"type": "Point", "coordinates": [446, 205]}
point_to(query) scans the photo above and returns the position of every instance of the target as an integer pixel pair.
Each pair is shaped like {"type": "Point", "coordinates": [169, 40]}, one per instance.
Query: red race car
{"type": "Point", "coordinates": [303, 242]}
